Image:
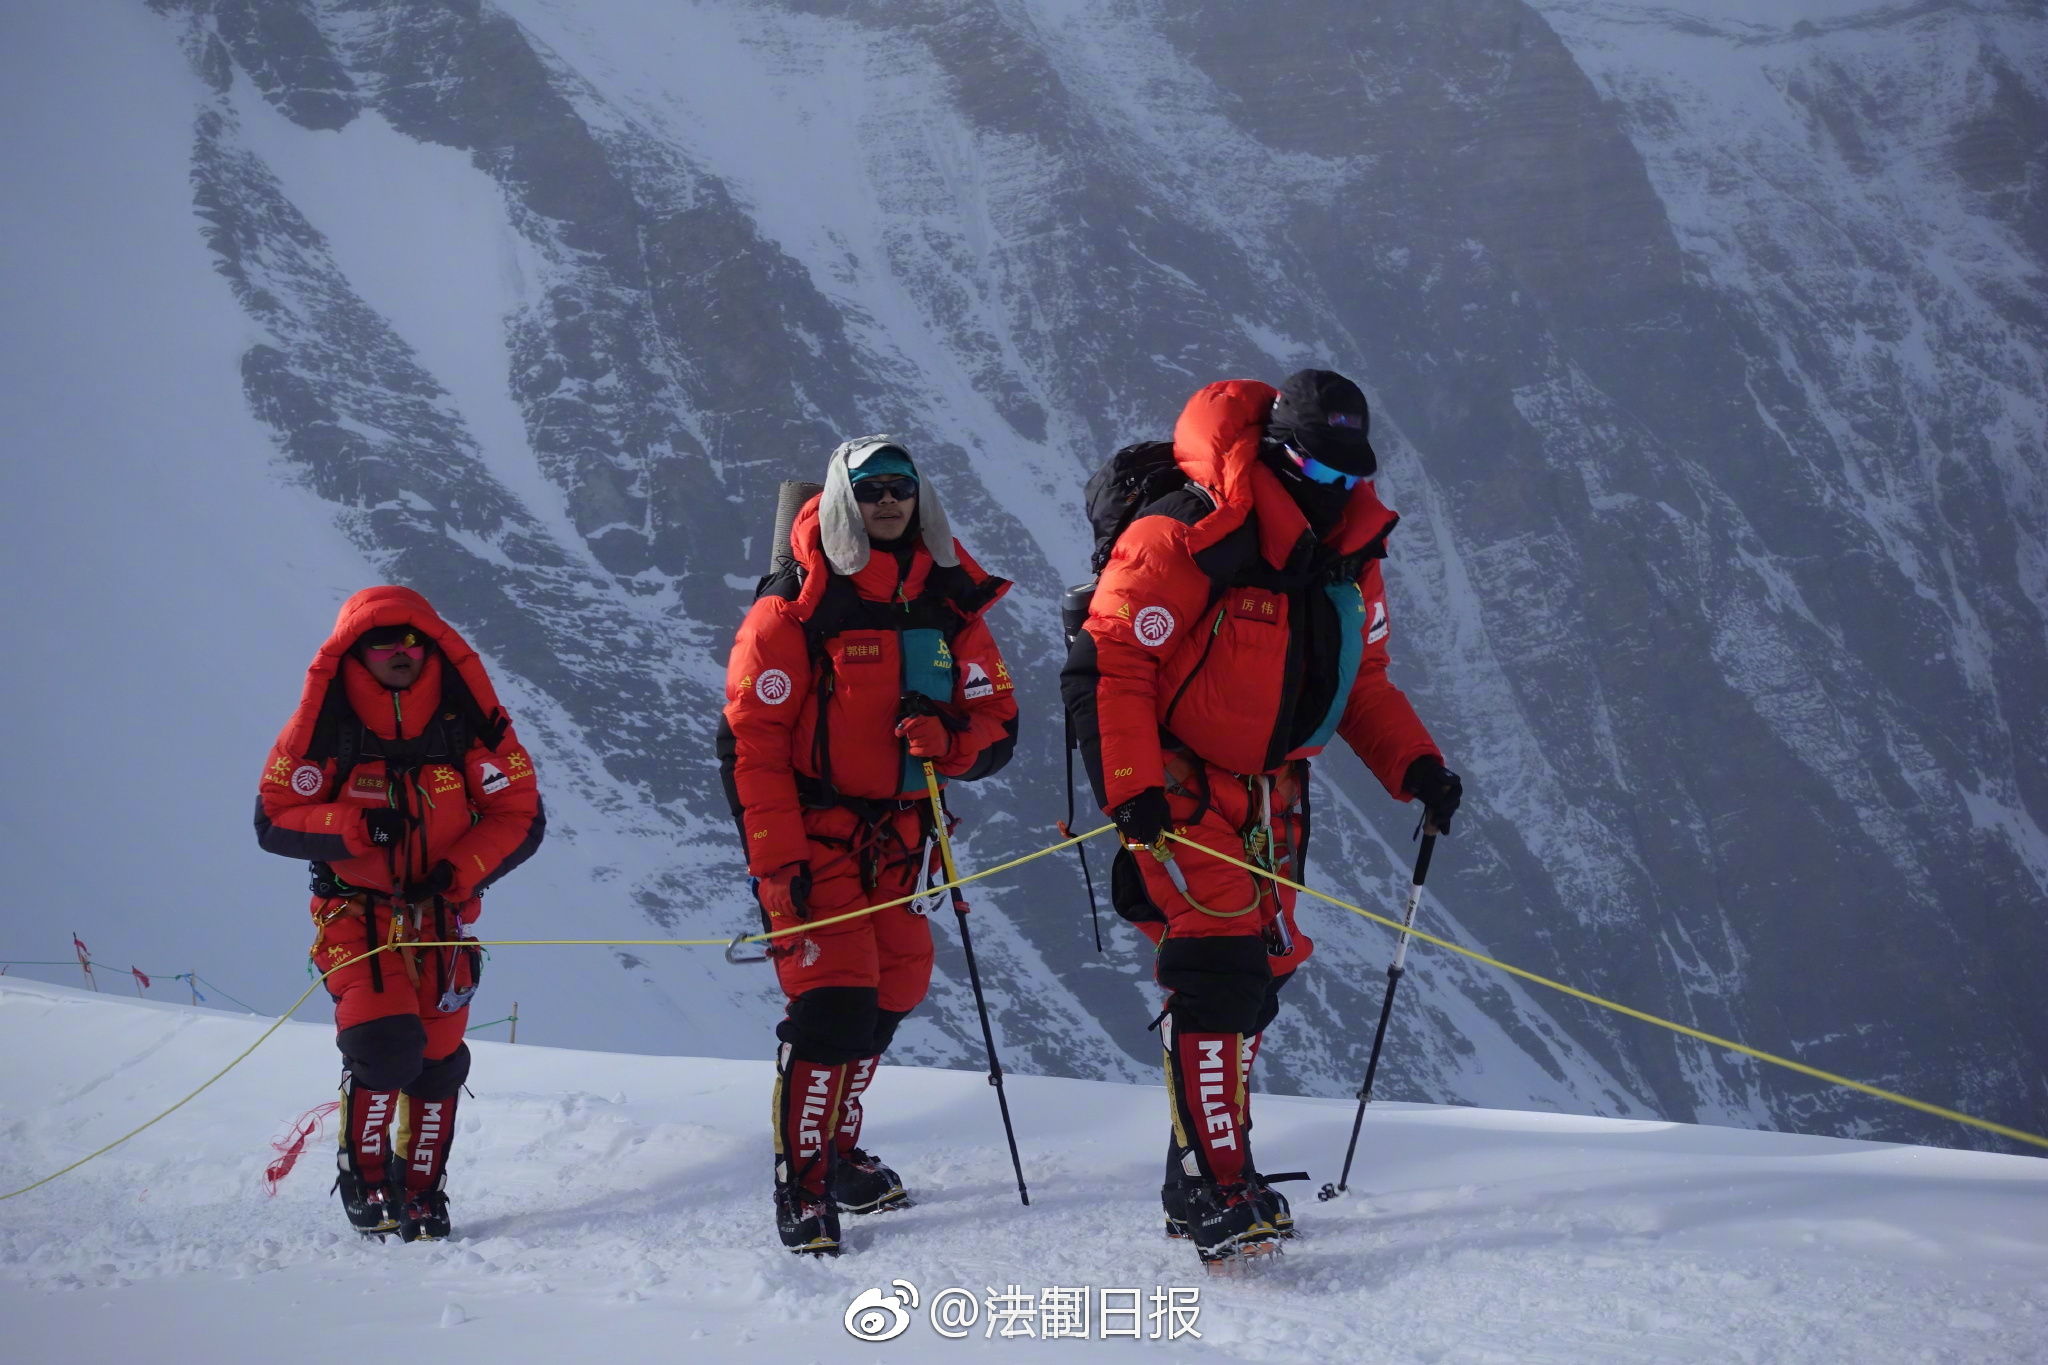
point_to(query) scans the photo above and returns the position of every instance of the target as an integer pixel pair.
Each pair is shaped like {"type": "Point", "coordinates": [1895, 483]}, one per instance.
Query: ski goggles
{"type": "Point", "coordinates": [1315, 471]}
{"type": "Point", "coordinates": [378, 655]}
{"type": "Point", "coordinates": [874, 490]}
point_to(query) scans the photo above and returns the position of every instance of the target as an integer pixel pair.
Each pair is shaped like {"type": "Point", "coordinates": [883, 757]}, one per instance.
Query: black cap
{"type": "Point", "coordinates": [1324, 414]}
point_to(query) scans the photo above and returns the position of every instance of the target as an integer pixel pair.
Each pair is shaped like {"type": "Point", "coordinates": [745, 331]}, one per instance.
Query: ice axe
{"type": "Point", "coordinates": [917, 704]}
{"type": "Point", "coordinates": [1395, 969]}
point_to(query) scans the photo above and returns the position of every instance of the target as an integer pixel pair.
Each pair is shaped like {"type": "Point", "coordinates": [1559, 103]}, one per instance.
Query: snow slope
{"type": "Point", "coordinates": [615, 1203]}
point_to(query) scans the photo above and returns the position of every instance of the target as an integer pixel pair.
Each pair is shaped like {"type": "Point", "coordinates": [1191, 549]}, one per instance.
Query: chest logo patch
{"type": "Point", "coordinates": [307, 780]}
{"type": "Point", "coordinates": [494, 779]}
{"type": "Point", "coordinates": [773, 687]}
{"type": "Point", "coordinates": [1377, 631]}
{"type": "Point", "coordinates": [978, 683]}
{"type": "Point", "coordinates": [1153, 626]}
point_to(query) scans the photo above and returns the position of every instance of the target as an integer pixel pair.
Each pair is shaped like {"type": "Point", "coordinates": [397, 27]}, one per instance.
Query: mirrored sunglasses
{"type": "Point", "coordinates": [1316, 471]}
{"type": "Point", "coordinates": [376, 655]}
{"type": "Point", "coordinates": [874, 490]}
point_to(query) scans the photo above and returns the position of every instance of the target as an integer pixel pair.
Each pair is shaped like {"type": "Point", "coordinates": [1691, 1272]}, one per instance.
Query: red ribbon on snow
{"type": "Point", "coordinates": [290, 1147]}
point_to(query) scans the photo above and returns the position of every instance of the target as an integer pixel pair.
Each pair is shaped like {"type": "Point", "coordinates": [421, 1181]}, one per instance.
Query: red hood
{"type": "Point", "coordinates": [385, 605]}
{"type": "Point", "coordinates": [807, 543]}
{"type": "Point", "coordinates": [1216, 443]}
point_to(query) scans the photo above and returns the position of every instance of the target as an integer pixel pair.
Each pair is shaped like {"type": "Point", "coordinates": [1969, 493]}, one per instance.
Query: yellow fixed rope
{"type": "Point", "coordinates": [1730, 1044]}
{"type": "Point", "coordinates": [550, 943]}
{"type": "Point", "coordinates": [1802, 1068]}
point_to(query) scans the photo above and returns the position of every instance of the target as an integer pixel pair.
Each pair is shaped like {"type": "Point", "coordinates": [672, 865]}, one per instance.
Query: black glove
{"type": "Point", "coordinates": [1143, 818]}
{"type": "Point", "coordinates": [385, 826]}
{"type": "Point", "coordinates": [435, 883]}
{"type": "Point", "coordinates": [1437, 788]}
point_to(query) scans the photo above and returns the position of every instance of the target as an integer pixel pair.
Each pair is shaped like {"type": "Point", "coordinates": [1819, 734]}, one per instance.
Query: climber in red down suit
{"type": "Point", "coordinates": [400, 780]}
{"type": "Point", "coordinates": [868, 656]}
{"type": "Point", "coordinates": [1239, 625]}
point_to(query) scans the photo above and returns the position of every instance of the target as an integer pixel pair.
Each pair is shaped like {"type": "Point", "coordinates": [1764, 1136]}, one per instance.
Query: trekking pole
{"type": "Point", "coordinates": [1066, 829]}
{"type": "Point", "coordinates": [988, 1038]}
{"type": "Point", "coordinates": [1379, 1037]}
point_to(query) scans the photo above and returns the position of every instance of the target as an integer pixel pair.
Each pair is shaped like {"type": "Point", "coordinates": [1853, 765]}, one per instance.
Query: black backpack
{"type": "Point", "coordinates": [1129, 481]}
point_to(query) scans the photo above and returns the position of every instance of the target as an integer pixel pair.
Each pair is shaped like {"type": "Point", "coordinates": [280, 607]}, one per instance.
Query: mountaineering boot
{"type": "Point", "coordinates": [1273, 1205]}
{"type": "Point", "coordinates": [1210, 1191]}
{"type": "Point", "coordinates": [420, 1141]}
{"type": "Point", "coordinates": [808, 1224]}
{"type": "Point", "coordinates": [1227, 1224]}
{"type": "Point", "coordinates": [369, 1209]}
{"type": "Point", "coordinates": [808, 1100]}
{"type": "Point", "coordinates": [425, 1217]}
{"type": "Point", "coordinates": [1182, 1175]}
{"type": "Point", "coordinates": [422, 1133]}
{"type": "Point", "coordinates": [364, 1174]}
{"type": "Point", "coordinates": [862, 1184]}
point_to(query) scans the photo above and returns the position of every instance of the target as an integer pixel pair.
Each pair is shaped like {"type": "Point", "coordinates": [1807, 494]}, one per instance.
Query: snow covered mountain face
{"type": "Point", "coordinates": [1706, 354]}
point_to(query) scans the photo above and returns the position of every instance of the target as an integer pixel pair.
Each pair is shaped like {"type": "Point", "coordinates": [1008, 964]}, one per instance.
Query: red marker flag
{"type": "Point", "coordinates": [290, 1146]}
{"type": "Point", "coordinates": [84, 960]}
{"type": "Point", "coordinates": [140, 975]}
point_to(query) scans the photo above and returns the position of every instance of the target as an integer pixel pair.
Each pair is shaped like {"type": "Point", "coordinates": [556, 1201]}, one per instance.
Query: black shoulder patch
{"type": "Point", "coordinates": [1230, 557]}
{"type": "Point", "coordinates": [786, 583]}
{"type": "Point", "coordinates": [1187, 505]}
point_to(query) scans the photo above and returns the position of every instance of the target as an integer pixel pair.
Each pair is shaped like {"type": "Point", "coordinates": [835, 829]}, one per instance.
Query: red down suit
{"type": "Point", "coordinates": [812, 764]}
{"type": "Point", "coordinates": [1225, 644]}
{"type": "Point", "coordinates": [443, 752]}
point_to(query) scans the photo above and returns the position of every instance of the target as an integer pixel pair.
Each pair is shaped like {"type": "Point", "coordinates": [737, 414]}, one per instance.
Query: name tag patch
{"type": "Point", "coordinates": [858, 647]}
{"type": "Point", "coordinates": [1255, 604]}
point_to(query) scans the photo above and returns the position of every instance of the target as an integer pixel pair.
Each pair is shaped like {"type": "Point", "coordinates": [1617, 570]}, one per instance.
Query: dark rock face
{"type": "Point", "coordinates": [1725, 566]}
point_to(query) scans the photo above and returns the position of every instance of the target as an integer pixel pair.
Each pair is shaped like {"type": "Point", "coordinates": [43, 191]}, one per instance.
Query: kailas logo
{"type": "Point", "coordinates": [978, 683]}
{"type": "Point", "coordinates": [1153, 626]}
{"type": "Point", "coordinates": [307, 780]}
{"type": "Point", "coordinates": [1209, 1090]}
{"type": "Point", "coordinates": [1377, 631]}
{"type": "Point", "coordinates": [772, 687]}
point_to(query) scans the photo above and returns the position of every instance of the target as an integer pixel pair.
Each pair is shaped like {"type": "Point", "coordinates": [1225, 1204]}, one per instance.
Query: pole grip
{"type": "Point", "coordinates": [1422, 857]}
